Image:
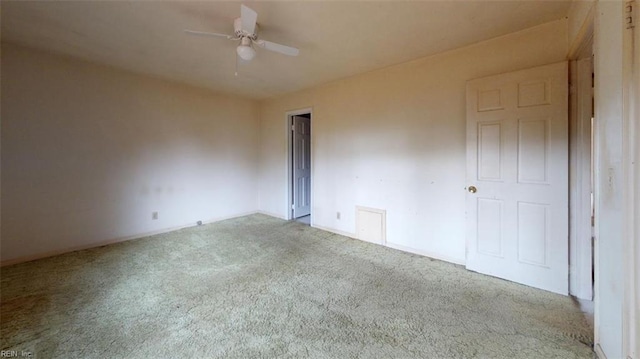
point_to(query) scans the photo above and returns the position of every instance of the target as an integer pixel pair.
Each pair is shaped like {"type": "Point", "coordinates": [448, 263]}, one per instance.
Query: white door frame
{"type": "Point", "coordinates": [616, 141]}
{"type": "Point", "coordinates": [631, 154]}
{"type": "Point", "coordinates": [580, 186]}
{"type": "Point", "coordinates": [633, 259]}
{"type": "Point", "coordinates": [289, 122]}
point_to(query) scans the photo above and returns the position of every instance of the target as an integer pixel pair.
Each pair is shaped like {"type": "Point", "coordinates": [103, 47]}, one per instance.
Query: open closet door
{"type": "Point", "coordinates": [301, 166]}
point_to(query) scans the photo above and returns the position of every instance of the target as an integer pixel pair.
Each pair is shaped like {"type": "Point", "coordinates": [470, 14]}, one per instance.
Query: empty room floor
{"type": "Point", "coordinates": [257, 286]}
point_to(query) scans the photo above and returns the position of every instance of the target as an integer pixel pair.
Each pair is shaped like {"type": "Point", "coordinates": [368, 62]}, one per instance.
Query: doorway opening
{"type": "Point", "coordinates": [300, 167]}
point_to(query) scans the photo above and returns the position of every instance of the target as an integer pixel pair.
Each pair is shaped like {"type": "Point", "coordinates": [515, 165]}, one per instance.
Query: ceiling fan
{"type": "Point", "coordinates": [246, 30]}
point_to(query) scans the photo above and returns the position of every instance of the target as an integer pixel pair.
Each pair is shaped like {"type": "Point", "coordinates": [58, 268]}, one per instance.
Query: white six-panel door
{"type": "Point", "coordinates": [517, 177]}
{"type": "Point", "coordinates": [301, 166]}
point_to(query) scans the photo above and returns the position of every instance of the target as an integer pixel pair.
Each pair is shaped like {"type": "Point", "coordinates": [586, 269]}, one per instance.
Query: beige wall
{"type": "Point", "coordinates": [89, 152]}
{"type": "Point", "coordinates": [394, 139]}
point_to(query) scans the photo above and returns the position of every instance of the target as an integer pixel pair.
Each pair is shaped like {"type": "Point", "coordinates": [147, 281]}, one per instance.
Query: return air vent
{"type": "Point", "coordinates": [371, 225]}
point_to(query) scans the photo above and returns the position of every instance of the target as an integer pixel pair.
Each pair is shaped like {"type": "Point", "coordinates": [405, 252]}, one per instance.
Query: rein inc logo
{"type": "Point", "coordinates": [15, 354]}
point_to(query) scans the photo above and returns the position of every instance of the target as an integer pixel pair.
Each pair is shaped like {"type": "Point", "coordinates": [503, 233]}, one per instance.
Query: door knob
{"type": "Point", "coordinates": [473, 189]}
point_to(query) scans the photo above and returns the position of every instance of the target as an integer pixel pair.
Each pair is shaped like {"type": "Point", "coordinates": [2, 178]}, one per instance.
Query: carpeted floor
{"type": "Point", "coordinates": [259, 287]}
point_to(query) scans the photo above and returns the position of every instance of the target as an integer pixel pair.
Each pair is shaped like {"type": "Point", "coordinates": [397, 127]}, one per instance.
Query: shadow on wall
{"type": "Point", "coordinates": [89, 153]}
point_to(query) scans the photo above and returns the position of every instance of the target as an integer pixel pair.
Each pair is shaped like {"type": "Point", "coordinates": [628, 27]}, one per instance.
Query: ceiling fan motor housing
{"type": "Point", "coordinates": [237, 27]}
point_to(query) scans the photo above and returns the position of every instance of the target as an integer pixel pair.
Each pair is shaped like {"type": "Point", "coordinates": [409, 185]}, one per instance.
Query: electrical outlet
{"type": "Point", "coordinates": [154, 215]}
{"type": "Point", "coordinates": [337, 215]}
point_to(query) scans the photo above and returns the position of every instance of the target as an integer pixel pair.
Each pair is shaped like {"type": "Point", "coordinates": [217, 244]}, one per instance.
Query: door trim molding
{"type": "Point", "coordinates": [614, 189]}
{"type": "Point", "coordinates": [580, 250]}
{"type": "Point", "coordinates": [580, 187]}
{"type": "Point", "coordinates": [630, 96]}
{"type": "Point", "coordinates": [289, 122]}
{"type": "Point", "coordinates": [599, 352]}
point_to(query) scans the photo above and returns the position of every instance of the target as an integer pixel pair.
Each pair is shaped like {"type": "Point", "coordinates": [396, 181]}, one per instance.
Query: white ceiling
{"type": "Point", "coordinates": [336, 39]}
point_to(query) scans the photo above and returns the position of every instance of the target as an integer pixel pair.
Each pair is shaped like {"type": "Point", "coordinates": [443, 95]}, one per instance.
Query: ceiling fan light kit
{"type": "Point", "coordinates": [245, 51]}
{"type": "Point", "coordinates": [246, 30]}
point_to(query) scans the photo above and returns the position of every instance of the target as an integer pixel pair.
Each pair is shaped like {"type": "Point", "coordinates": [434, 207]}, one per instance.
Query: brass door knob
{"type": "Point", "coordinates": [473, 189]}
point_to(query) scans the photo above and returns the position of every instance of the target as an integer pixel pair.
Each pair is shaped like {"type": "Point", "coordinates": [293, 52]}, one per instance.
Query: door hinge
{"type": "Point", "coordinates": [293, 128]}
{"type": "Point", "coordinates": [629, 14]}
{"type": "Point", "coordinates": [293, 206]}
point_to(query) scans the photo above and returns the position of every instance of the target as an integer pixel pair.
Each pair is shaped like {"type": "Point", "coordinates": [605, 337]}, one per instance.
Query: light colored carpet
{"type": "Point", "coordinates": [259, 287]}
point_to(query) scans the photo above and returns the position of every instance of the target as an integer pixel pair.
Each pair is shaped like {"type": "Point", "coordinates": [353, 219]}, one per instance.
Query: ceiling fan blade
{"type": "Point", "coordinates": [202, 33]}
{"type": "Point", "coordinates": [272, 46]}
{"type": "Point", "coordinates": [249, 18]}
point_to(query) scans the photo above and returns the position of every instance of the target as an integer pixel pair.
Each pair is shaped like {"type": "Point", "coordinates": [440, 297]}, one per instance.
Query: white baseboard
{"type": "Point", "coordinates": [33, 257]}
{"type": "Point", "coordinates": [396, 246]}
{"type": "Point", "coordinates": [336, 231]}
{"type": "Point", "coordinates": [599, 353]}
{"type": "Point", "coordinates": [213, 220]}
{"type": "Point", "coordinates": [270, 214]}
{"type": "Point", "coordinates": [586, 306]}
{"type": "Point", "coordinates": [425, 253]}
